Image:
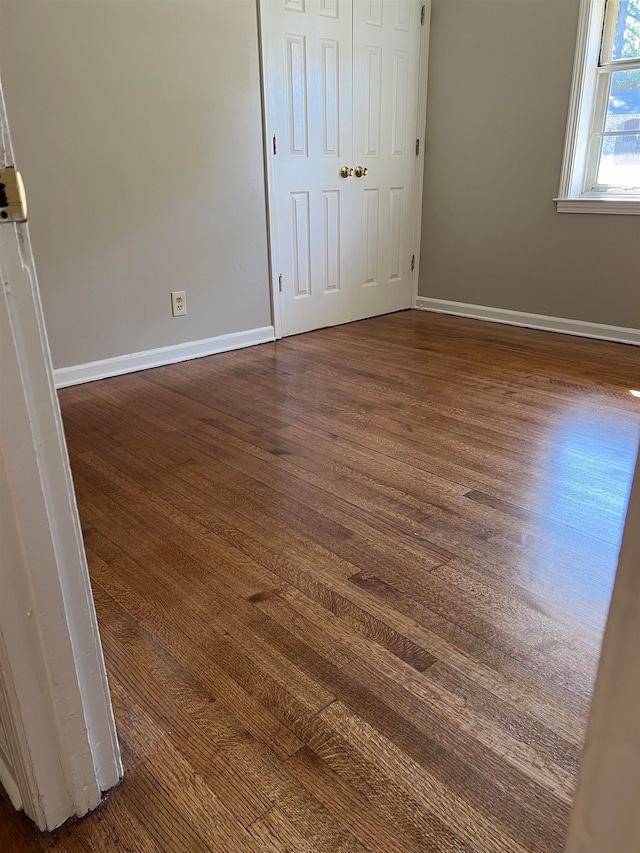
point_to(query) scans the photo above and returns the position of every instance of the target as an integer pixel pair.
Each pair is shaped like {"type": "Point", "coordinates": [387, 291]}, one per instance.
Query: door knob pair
{"type": "Point", "coordinates": [359, 171]}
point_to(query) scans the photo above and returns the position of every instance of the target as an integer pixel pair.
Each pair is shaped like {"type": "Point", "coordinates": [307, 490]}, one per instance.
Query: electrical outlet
{"type": "Point", "coordinates": [178, 303]}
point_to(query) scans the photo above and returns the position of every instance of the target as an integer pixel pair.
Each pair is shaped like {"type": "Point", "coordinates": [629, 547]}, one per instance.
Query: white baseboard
{"type": "Point", "coordinates": [89, 372]}
{"type": "Point", "coordinates": [618, 334]}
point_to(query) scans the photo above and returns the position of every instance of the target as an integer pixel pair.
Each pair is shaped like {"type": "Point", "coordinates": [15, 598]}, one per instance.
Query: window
{"type": "Point", "coordinates": [601, 169]}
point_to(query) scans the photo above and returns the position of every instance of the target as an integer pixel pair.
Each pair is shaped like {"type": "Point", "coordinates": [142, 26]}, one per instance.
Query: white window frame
{"type": "Point", "coordinates": [587, 107]}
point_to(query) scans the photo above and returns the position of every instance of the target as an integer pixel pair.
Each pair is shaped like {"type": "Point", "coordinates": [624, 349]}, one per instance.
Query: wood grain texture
{"type": "Point", "coordinates": [351, 587]}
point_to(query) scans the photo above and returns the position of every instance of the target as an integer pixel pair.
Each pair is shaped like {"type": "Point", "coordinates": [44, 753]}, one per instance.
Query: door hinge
{"type": "Point", "coordinates": [280, 283]}
{"type": "Point", "coordinates": [422, 15]}
{"type": "Point", "coordinates": [413, 262]}
{"type": "Point", "coordinates": [275, 144]}
{"type": "Point", "coordinates": [417, 147]}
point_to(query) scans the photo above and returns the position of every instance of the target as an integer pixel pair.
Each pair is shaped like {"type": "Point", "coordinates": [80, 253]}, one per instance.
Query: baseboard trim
{"type": "Point", "coordinates": [89, 372]}
{"type": "Point", "coordinates": [617, 334]}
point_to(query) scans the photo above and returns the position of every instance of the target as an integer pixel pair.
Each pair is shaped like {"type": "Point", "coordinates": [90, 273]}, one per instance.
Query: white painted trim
{"type": "Point", "coordinates": [129, 363]}
{"type": "Point", "coordinates": [583, 88]}
{"type": "Point", "coordinates": [605, 808]}
{"type": "Point", "coordinates": [575, 194]}
{"type": "Point", "coordinates": [269, 110]}
{"type": "Point", "coordinates": [54, 696]}
{"type": "Point", "coordinates": [582, 328]}
{"type": "Point", "coordinates": [425, 33]}
{"type": "Point", "coordinates": [629, 206]}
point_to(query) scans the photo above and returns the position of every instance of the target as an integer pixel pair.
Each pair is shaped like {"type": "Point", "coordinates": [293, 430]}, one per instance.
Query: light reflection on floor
{"type": "Point", "coordinates": [589, 466]}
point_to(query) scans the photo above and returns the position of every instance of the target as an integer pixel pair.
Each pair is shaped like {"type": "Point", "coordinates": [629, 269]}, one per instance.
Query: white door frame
{"type": "Point", "coordinates": [605, 810]}
{"type": "Point", "coordinates": [58, 743]}
{"type": "Point", "coordinates": [421, 129]}
{"type": "Point", "coordinates": [268, 114]}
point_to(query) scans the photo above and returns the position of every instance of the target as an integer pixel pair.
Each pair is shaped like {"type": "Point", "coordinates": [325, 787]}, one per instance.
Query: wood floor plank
{"type": "Point", "coordinates": [297, 803]}
{"type": "Point", "coordinates": [346, 744]}
{"type": "Point", "coordinates": [329, 598]}
{"type": "Point", "coordinates": [378, 822]}
{"type": "Point", "coordinates": [280, 687]}
{"type": "Point", "coordinates": [495, 537]}
{"type": "Point", "coordinates": [351, 587]}
{"type": "Point", "coordinates": [351, 420]}
{"type": "Point", "coordinates": [212, 825]}
{"type": "Point", "coordinates": [255, 717]}
{"type": "Point", "coordinates": [550, 559]}
{"type": "Point", "coordinates": [376, 701]}
{"type": "Point", "coordinates": [362, 615]}
{"type": "Point", "coordinates": [275, 834]}
{"type": "Point", "coordinates": [176, 701]}
{"type": "Point", "coordinates": [262, 627]}
{"type": "Point", "coordinates": [523, 631]}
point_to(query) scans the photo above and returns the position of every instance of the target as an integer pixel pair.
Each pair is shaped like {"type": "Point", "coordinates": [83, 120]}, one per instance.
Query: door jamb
{"type": "Point", "coordinates": [423, 74]}
{"type": "Point", "coordinates": [271, 185]}
{"type": "Point", "coordinates": [55, 709]}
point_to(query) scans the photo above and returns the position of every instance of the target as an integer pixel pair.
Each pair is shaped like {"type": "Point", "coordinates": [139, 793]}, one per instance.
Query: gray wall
{"type": "Point", "coordinates": [137, 126]}
{"type": "Point", "coordinates": [499, 84]}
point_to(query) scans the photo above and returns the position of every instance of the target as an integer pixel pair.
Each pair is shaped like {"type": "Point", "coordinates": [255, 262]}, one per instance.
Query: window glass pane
{"type": "Point", "coordinates": [624, 99]}
{"type": "Point", "coordinates": [626, 39]}
{"type": "Point", "coordinates": [620, 161]}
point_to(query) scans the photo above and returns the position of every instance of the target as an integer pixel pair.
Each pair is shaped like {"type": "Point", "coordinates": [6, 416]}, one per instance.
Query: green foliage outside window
{"type": "Point", "coordinates": [627, 42]}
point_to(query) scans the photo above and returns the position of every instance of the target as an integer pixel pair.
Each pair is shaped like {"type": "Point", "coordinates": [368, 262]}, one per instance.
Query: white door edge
{"type": "Point", "coordinates": [605, 807]}
{"type": "Point", "coordinates": [421, 125]}
{"type": "Point", "coordinates": [55, 708]}
{"type": "Point", "coordinates": [272, 220]}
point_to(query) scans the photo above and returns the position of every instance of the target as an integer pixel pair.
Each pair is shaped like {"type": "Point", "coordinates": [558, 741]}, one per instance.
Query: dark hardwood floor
{"type": "Point", "coordinates": [351, 587]}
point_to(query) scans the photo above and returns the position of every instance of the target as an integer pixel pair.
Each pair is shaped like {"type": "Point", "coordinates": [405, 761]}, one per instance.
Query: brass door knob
{"type": "Point", "coordinates": [360, 171]}
{"type": "Point", "coordinates": [346, 172]}
{"type": "Point", "coordinates": [13, 201]}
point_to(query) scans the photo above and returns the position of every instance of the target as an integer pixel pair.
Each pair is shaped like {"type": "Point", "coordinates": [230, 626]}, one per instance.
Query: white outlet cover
{"type": "Point", "coordinates": [178, 303]}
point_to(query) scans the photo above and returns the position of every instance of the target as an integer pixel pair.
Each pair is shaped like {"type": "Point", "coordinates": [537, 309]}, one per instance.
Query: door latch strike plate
{"type": "Point", "coordinates": [13, 200]}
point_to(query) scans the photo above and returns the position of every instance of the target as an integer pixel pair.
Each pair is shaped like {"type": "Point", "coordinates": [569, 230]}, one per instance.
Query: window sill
{"type": "Point", "coordinates": [598, 205]}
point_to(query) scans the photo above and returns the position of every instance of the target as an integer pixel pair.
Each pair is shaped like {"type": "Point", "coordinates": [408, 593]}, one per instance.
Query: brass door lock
{"type": "Point", "coordinates": [346, 172]}
{"type": "Point", "coordinates": [13, 200]}
{"type": "Point", "coordinates": [360, 171]}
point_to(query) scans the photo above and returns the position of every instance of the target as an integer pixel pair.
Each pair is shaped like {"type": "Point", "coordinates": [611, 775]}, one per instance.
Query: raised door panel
{"type": "Point", "coordinates": [331, 241]}
{"type": "Point", "coordinates": [371, 227]}
{"type": "Point", "coordinates": [298, 124]}
{"type": "Point", "coordinates": [369, 110]}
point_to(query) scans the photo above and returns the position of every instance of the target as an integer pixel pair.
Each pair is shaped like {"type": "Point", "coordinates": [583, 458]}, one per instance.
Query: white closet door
{"type": "Point", "coordinates": [309, 87]}
{"type": "Point", "coordinates": [341, 90]}
{"type": "Point", "coordinates": [386, 58]}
